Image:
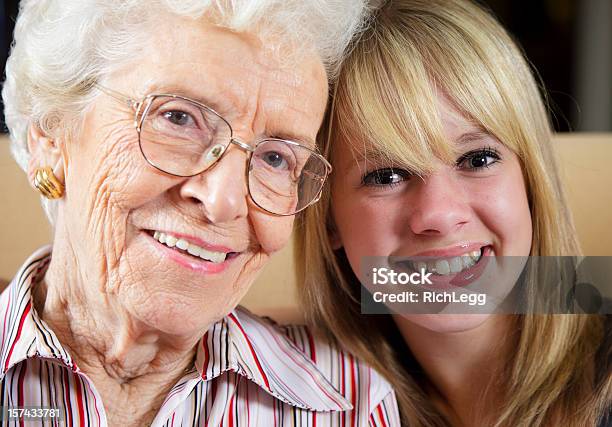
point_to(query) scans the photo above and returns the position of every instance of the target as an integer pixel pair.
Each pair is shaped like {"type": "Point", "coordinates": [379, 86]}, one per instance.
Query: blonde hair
{"type": "Point", "coordinates": [386, 97]}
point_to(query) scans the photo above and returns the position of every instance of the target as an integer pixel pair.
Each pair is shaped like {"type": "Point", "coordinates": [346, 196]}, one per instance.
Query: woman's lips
{"type": "Point", "coordinates": [201, 259]}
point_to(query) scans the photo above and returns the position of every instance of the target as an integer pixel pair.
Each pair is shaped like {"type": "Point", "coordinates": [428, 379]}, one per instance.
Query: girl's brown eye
{"type": "Point", "coordinates": [478, 159]}
{"type": "Point", "coordinates": [385, 177]}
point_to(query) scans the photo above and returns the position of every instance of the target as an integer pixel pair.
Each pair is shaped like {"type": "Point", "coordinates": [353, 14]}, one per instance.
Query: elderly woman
{"type": "Point", "coordinates": [173, 143]}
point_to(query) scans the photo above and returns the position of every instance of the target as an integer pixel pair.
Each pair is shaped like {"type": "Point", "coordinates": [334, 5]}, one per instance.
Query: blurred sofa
{"type": "Point", "coordinates": [586, 165]}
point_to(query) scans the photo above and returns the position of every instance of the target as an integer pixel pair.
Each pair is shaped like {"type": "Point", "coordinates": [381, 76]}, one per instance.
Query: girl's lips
{"type": "Point", "coordinates": [452, 251]}
{"type": "Point", "coordinates": [461, 279]}
{"type": "Point", "coordinates": [470, 275]}
{"type": "Point", "coordinates": [188, 261]}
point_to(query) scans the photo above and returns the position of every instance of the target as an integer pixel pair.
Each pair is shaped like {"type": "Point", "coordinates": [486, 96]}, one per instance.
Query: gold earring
{"type": "Point", "coordinates": [47, 183]}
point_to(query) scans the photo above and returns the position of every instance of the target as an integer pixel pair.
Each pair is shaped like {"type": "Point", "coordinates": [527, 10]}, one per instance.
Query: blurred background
{"type": "Point", "coordinates": [569, 42]}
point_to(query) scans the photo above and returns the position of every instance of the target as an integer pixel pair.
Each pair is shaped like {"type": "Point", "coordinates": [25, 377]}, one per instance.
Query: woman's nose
{"type": "Point", "coordinates": [220, 191]}
{"type": "Point", "coordinates": [439, 205]}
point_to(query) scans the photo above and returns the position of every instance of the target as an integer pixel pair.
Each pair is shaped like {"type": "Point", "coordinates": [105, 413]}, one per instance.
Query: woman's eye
{"type": "Point", "coordinates": [179, 118]}
{"type": "Point", "coordinates": [385, 177]}
{"type": "Point", "coordinates": [275, 159]}
{"type": "Point", "coordinates": [479, 159]}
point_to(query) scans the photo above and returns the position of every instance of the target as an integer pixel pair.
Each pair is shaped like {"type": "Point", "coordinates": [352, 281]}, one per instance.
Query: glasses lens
{"type": "Point", "coordinates": [181, 137]}
{"type": "Point", "coordinates": [284, 178]}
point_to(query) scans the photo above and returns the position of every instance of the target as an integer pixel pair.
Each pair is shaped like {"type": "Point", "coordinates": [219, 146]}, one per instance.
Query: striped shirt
{"type": "Point", "coordinates": [247, 372]}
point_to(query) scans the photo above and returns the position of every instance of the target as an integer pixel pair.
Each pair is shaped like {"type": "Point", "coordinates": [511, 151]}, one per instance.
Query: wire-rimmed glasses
{"type": "Point", "coordinates": [183, 137]}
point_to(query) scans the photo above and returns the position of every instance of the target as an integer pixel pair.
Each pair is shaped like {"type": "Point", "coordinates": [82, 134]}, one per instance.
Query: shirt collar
{"type": "Point", "coordinates": [257, 349]}
{"type": "Point", "coordinates": [25, 334]}
{"type": "Point", "coordinates": [240, 342]}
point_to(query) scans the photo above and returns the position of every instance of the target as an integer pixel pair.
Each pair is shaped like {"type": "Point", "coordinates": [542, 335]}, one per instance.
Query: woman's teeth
{"type": "Point", "coordinates": [194, 250]}
{"type": "Point", "coordinates": [452, 265]}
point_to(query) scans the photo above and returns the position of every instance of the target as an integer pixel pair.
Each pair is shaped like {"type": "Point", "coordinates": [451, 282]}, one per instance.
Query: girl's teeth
{"type": "Point", "coordinates": [468, 261]}
{"type": "Point", "coordinates": [442, 267]}
{"type": "Point", "coordinates": [456, 265]}
{"type": "Point", "coordinates": [190, 248]}
{"type": "Point", "coordinates": [450, 265]}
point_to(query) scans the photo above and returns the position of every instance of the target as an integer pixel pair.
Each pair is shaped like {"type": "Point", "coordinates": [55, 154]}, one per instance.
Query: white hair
{"type": "Point", "coordinates": [61, 47]}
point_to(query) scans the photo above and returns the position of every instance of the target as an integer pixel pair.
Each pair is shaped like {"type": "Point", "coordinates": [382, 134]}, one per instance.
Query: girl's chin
{"type": "Point", "coordinates": [445, 323]}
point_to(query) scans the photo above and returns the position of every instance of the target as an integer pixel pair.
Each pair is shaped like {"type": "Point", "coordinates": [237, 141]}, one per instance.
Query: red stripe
{"type": "Point", "coordinates": [353, 391]}
{"type": "Point", "coordinates": [206, 355]}
{"type": "Point", "coordinates": [231, 316]}
{"type": "Point", "coordinates": [20, 389]}
{"type": "Point", "coordinates": [173, 414]}
{"type": "Point", "coordinates": [19, 329]}
{"type": "Point", "coordinates": [380, 414]}
{"type": "Point", "coordinates": [79, 392]}
{"type": "Point", "coordinates": [231, 411]}
{"type": "Point", "coordinates": [313, 354]}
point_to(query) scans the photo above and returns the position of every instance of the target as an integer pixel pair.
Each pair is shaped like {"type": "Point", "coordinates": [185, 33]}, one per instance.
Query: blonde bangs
{"type": "Point", "coordinates": [390, 113]}
{"type": "Point", "coordinates": [387, 97]}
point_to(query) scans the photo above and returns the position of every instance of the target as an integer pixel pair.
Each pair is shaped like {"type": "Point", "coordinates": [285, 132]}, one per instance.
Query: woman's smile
{"type": "Point", "coordinates": [191, 252]}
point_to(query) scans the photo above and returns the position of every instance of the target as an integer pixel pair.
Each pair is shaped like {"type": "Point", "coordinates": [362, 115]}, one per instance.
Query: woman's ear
{"type": "Point", "coordinates": [44, 152]}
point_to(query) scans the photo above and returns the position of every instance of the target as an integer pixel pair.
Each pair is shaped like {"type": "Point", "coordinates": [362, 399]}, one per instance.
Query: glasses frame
{"type": "Point", "coordinates": [141, 109]}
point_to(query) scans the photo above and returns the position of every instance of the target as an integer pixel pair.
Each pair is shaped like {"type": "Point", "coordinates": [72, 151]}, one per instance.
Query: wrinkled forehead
{"type": "Point", "coordinates": [234, 73]}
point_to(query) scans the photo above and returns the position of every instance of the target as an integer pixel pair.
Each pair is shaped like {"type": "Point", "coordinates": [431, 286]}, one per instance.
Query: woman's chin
{"type": "Point", "coordinates": [166, 316]}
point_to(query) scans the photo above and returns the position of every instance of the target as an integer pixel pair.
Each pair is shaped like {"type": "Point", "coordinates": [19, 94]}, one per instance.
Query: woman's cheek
{"type": "Point", "coordinates": [272, 233]}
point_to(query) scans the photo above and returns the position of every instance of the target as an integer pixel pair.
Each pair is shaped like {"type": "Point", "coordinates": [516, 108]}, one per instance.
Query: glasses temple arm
{"type": "Point", "coordinates": [118, 96]}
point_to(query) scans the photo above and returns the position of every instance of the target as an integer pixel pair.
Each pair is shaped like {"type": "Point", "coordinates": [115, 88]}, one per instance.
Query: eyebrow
{"type": "Point", "coordinates": [301, 139]}
{"type": "Point", "coordinates": [370, 158]}
{"type": "Point", "coordinates": [475, 136]}
{"type": "Point", "coordinates": [187, 92]}
{"type": "Point", "coordinates": [374, 156]}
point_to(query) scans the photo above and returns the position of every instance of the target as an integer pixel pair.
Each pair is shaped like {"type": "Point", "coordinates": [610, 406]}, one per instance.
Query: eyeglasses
{"type": "Point", "coordinates": [182, 137]}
